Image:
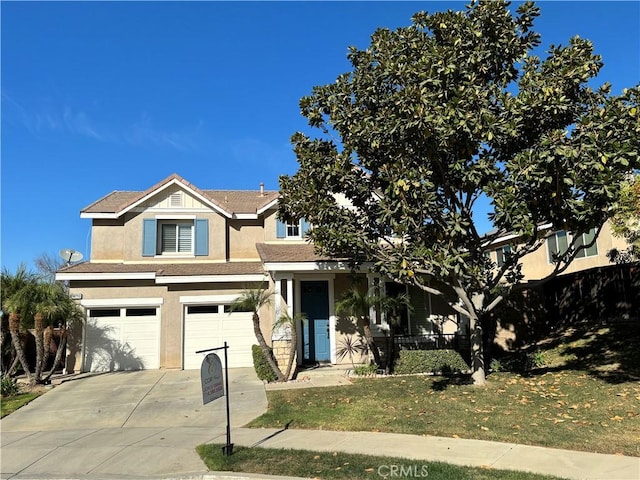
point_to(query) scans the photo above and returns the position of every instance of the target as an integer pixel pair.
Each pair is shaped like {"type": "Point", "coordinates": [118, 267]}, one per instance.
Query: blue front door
{"type": "Point", "coordinates": [315, 304]}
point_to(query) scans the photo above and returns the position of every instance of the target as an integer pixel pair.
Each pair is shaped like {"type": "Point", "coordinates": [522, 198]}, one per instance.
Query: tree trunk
{"type": "Point", "coordinates": [14, 328]}
{"type": "Point", "coordinates": [391, 351]}
{"type": "Point", "coordinates": [292, 349]}
{"type": "Point", "coordinates": [39, 334]}
{"type": "Point", "coordinates": [368, 336]}
{"type": "Point", "coordinates": [265, 349]}
{"type": "Point", "coordinates": [477, 352]}
{"type": "Point", "coordinates": [61, 349]}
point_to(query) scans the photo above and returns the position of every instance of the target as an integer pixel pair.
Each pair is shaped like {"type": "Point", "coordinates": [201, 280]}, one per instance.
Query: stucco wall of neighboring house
{"type": "Point", "coordinates": [243, 236]}
{"type": "Point", "coordinates": [107, 240]}
{"type": "Point", "coordinates": [536, 265]}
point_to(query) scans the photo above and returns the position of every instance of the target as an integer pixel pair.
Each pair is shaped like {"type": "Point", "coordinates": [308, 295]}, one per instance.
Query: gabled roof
{"type": "Point", "coordinates": [230, 203]}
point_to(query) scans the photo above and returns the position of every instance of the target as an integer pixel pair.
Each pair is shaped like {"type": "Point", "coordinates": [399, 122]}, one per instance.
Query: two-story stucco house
{"type": "Point", "coordinates": [167, 262]}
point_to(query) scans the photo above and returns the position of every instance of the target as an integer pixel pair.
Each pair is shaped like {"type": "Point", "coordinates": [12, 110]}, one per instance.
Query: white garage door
{"type": "Point", "coordinates": [122, 339]}
{"type": "Point", "coordinates": [209, 326]}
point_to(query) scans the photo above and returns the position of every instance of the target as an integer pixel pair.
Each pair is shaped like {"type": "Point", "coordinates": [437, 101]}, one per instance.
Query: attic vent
{"type": "Point", "coordinates": [175, 200]}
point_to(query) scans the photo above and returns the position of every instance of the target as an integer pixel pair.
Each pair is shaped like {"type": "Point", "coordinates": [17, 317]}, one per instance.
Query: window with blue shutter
{"type": "Point", "coordinates": [304, 227]}
{"type": "Point", "coordinates": [149, 235]}
{"type": "Point", "coordinates": [202, 237]}
{"type": "Point", "coordinates": [281, 229]}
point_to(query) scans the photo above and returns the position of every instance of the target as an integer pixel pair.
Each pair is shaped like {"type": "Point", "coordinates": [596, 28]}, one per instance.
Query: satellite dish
{"type": "Point", "coordinates": [70, 256]}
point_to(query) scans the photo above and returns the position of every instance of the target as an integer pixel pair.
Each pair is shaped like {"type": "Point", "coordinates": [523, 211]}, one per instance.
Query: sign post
{"type": "Point", "coordinates": [212, 386]}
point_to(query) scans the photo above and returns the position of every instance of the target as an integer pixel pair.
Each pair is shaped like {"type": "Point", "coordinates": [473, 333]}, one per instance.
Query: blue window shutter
{"type": "Point", "coordinates": [304, 227]}
{"type": "Point", "coordinates": [281, 229]}
{"type": "Point", "coordinates": [149, 235]}
{"type": "Point", "coordinates": [202, 236]}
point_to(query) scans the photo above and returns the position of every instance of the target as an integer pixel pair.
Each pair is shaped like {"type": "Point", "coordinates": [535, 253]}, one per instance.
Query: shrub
{"type": "Point", "coordinates": [365, 370]}
{"type": "Point", "coordinates": [496, 366]}
{"type": "Point", "coordinates": [536, 359]}
{"type": "Point", "coordinates": [8, 386]}
{"type": "Point", "coordinates": [429, 361]}
{"type": "Point", "coordinates": [263, 370]}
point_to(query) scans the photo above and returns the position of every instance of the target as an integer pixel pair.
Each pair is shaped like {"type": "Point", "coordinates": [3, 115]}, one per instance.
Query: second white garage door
{"type": "Point", "coordinates": [209, 326]}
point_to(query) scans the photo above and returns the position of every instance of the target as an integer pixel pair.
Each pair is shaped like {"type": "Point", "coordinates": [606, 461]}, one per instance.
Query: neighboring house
{"type": "Point", "coordinates": [166, 264]}
{"type": "Point", "coordinates": [539, 264]}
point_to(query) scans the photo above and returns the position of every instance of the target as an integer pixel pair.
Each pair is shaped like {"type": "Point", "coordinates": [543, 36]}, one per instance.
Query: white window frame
{"type": "Point", "coordinates": [290, 227]}
{"type": "Point", "coordinates": [583, 253]}
{"type": "Point", "coordinates": [177, 220]}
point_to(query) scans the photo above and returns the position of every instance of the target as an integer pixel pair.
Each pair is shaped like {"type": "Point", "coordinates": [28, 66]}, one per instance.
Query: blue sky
{"type": "Point", "coordinates": [103, 96]}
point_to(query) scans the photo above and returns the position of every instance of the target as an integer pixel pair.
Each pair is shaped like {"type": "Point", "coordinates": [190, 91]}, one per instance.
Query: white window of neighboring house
{"type": "Point", "coordinates": [501, 254]}
{"type": "Point", "coordinates": [558, 243]}
{"type": "Point", "coordinates": [175, 237]}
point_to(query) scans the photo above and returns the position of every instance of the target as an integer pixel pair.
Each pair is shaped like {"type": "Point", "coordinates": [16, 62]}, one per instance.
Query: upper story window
{"type": "Point", "coordinates": [175, 237]}
{"type": "Point", "coordinates": [292, 231]}
{"type": "Point", "coordinates": [558, 243]}
{"type": "Point", "coordinates": [502, 254]}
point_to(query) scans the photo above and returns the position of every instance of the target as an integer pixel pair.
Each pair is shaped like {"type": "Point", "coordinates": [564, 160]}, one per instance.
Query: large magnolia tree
{"type": "Point", "coordinates": [447, 113]}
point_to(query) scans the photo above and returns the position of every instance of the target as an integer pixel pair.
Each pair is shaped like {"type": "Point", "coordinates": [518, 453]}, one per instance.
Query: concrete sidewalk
{"type": "Point", "coordinates": [478, 453]}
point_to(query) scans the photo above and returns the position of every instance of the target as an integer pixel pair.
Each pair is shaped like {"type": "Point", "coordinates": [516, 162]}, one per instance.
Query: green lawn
{"type": "Point", "coordinates": [11, 404]}
{"type": "Point", "coordinates": [579, 402]}
{"type": "Point", "coordinates": [338, 465]}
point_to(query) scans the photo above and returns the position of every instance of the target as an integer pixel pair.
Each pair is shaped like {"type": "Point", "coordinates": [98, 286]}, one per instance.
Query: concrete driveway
{"type": "Point", "coordinates": [124, 424]}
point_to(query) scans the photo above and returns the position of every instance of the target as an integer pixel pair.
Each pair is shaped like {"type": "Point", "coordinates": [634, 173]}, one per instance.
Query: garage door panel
{"type": "Point", "coordinates": [122, 343]}
{"type": "Point", "coordinates": [204, 331]}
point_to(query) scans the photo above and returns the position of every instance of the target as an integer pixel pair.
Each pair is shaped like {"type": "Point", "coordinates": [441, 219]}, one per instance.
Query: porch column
{"type": "Point", "coordinates": [371, 282]}
{"type": "Point", "coordinates": [277, 295]}
{"type": "Point", "coordinates": [290, 295]}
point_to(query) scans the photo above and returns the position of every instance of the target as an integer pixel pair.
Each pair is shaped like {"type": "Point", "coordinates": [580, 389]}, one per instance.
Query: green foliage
{"type": "Point", "coordinates": [8, 386]}
{"type": "Point", "coordinates": [626, 222]}
{"type": "Point", "coordinates": [520, 362]}
{"type": "Point", "coordinates": [351, 345]}
{"type": "Point", "coordinates": [365, 370]}
{"type": "Point", "coordinates": [496, 366]}
{"type": "Point", "coordinates": [251, 300]}
{"type": "Point", "coordinates": [429, 361]}
{"type": "Point", "coordinates": [263, 370]}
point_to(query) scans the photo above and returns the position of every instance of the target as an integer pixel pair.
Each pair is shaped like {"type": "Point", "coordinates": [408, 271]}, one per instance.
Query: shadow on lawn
{"type": "Point", "coordinates": [453, 380]}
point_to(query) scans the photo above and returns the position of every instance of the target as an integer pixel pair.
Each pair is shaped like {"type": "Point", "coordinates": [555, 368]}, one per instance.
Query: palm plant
{"type": "Point", "coordinates": [349, 346]}
{"type": "Point", "coordinates": [358, 303]}
{"type": "Point", "coordinates": [48, 299]}
{"type": "Point", "coordinates": [287, 322]}
{"type": "Point", "coordinates": [252, 300]}
{"type": "Point", "coordinates": [393, 306]}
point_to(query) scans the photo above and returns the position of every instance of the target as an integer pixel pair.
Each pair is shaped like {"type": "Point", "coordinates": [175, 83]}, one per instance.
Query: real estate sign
{"type": "Point", "coordinates": [211, 377]}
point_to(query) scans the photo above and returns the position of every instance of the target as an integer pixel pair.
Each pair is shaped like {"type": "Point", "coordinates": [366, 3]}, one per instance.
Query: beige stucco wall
{"type": "Point", "coordinates": [243, 236]}
{"type": "Point", "coordinates": [346, 327]}
{"type": "Point", "coordinates": [107, 240]}
{"type": "Point", "coordinates": [270, 221]}
{"type": "Point", "coordinates": [536, 265]}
